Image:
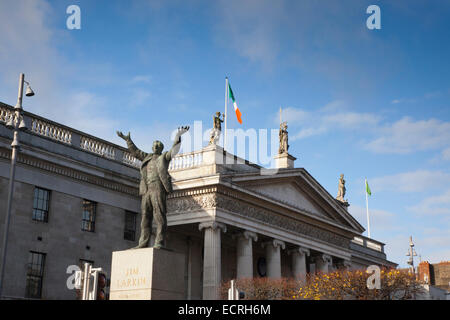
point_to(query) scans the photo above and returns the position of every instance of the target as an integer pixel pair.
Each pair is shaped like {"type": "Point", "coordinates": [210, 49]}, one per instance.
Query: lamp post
{"type": "Point", "coordinates": [17, 123]}
{"type": "Point", "coordinates": [411, 254]}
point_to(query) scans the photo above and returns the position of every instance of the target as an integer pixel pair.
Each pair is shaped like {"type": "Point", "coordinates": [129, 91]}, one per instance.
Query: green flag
{"type": "Point", "coordinates": [368, 189]}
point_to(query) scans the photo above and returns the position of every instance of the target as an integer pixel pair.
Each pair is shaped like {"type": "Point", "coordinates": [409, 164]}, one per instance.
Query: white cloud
{"type": "Point", "coordinates": [142, 79]}
{"type": "Point", "coordinates": [407, 136]}
{"type": "Point", "coordinates": [293, 115]}
{"type": "Point", "coordinates": [432, 248]}
{"type": "Point", "coordinates": [308, 132]}
{"type": "Point", "coordinates": [352, 120]}
{"type": "Point", "coordinates": [334, 106]}
{"type": "Point", "coordinates": [380, 220]}
{"type": "Point", "coordinates": [400, 137]}
{"type": "Point", "coordinates": [139, 96]}
{"type": "Point", "coordinates": [434, 244]}
{"type": "Point", "coordinates": [26, 46]}
{"type": "Point", "coordinates": [250, 28]}
{"type": "Point", "coordinates": [333, 116]}
{"type": "Point", "coordinates": [446, 154]}
{"type": "Point", "coordinates": [426, 96]}
{"type": "Point", "coordinates": [30, 42]}
{"type": "Point", "coordinates": [434, 205]}
{"type": "Point", "coordinates": [86, 111]}
{"type": "Point", "coordinates": [414, 181]}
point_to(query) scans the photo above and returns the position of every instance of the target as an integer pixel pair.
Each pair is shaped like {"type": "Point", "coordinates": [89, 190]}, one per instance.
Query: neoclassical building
{"type": "Point", "coordinates": [76, 200]}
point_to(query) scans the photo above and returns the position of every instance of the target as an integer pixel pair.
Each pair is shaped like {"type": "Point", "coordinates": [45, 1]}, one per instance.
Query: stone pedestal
{"type": "Point", "coordinates": [343, 203]}
{"type": "Point", "coordinates": [147, 274]}
{"type": "Point", "coordinates": [284, 160]}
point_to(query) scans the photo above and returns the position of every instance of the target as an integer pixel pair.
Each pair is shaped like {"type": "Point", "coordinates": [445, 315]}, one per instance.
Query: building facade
{"type": "Point", "coordinates": [76, 200]}
{"type": "Point", "coordinates": [436, 279]}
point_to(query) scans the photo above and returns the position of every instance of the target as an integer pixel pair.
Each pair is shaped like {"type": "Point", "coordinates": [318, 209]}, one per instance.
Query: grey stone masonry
{"type": "Point", "coordinates": [285, 208]}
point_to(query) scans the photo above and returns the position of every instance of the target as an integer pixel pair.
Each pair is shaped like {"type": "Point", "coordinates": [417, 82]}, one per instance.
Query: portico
{"type": "Point", "coordinates": [262, 218]}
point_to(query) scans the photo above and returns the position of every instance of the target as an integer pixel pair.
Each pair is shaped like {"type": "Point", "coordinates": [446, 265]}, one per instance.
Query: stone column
{"type": "Point", "coordinates": [273, 257]}
{"type": "Point", "coordinates": [323, 263]}
{"type": "Point", "coordinates": [299, 262]}
{"type": "Point", "coordinates": [189, 268]}
{"type": "Point", "coordinates": [346, 265]}
{"type": "Point", "coordinates": [212, 263]}
{"type": "Point", "coordinates": [245, 254]}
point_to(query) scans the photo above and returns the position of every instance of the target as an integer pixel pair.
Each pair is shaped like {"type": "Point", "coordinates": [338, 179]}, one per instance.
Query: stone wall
{"type": "Point", "coordinates": [61, 238]}
{"type": "Point", "coordinates": [441, 272]}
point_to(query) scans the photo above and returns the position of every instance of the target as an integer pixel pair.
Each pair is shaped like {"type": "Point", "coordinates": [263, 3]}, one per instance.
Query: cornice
{"type": "Point", "coordinates": [71, 173]}
{"type": "Point", "coordinates": [219, 197]}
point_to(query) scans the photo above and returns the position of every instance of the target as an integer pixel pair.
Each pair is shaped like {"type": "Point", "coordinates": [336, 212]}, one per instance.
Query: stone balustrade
{"type": "Point", "coordinates": [369, 243]}
{"type": "Point", "coordinates": [129, 159]}
{"type": "Point", "coordinates": [186, 160]}
{"type": "Point", "coordinates": [60, 133]}
{"type": "Point", "coordinates": [98, 147]}
{"type": "Point", "coordinates": [51, 131]}
{"type": "Point", "coordinates": [5, 113]}
{"type": "Point", "coordinates": [374, 246]}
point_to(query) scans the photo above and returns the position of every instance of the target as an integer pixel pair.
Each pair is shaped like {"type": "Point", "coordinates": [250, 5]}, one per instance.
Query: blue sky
{"type": "Point", "coordinates": [366, 103]}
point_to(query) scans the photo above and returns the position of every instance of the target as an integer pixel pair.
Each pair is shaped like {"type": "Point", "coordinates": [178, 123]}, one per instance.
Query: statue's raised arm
{"type": "Point", "coordinates": [137, 153]}
{"type": "Point", "coordinates": [177, 142]}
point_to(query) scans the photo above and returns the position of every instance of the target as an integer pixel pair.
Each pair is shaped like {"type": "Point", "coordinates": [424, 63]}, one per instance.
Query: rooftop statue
{"type": "Point", "coordinates": [217, 128]}
{"type": "Point", "coordinates": [154, 186]}
{"type": "Point", "coordinates": [341, 189]}
{"type": "Point", "coordinates": [283, 136]}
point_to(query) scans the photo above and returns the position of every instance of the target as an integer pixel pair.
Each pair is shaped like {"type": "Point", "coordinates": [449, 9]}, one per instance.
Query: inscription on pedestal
{"type": "Point", "coordinates": [132, 279]}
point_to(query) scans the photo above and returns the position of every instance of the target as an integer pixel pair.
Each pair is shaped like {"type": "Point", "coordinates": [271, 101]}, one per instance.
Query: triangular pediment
{"type": "Point", "coordinates": [288, 193]}
{"type": "Point", "coordinates": [299, 190]}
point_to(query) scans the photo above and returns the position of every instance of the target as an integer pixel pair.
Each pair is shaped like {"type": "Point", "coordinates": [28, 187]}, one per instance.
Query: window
{"type": "Point", "coordinates": [129, 232]}
{"type": "Point", "coordinates": [40, 204]}
{"type": "Point", "coordinates": [261, 267]}
{"type": "Point", "coordinates": [88, 223]}
{"type": "Point", "coordinates": [35, 273]}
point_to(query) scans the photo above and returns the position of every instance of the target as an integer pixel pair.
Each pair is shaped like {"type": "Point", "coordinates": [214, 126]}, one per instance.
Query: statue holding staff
{"type": "Point", "coordinates": [283, 136]}
{"type": "Point", "coordinates": [217, 128]}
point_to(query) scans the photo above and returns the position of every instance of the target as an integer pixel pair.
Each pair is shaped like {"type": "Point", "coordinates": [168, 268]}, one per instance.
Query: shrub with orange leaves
{"type": "Point", "coordinates": [336, 285]}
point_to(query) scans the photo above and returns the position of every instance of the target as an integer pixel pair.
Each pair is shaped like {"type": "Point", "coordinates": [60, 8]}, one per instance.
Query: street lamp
{"type": "Point", "coordinates": [411, 254]}
{"type": "Point", "coordinates": [17, 123]}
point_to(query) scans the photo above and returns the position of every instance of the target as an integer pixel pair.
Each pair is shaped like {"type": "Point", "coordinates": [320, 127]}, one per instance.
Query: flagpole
{"type": "Point", "coordinates": [280, 116]}
{"type": "Point", "coordinates": [367, 210]}
{"type": "Point", "coordinates": [226, 116]}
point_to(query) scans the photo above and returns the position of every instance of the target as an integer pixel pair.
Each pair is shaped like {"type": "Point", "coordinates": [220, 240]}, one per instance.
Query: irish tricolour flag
{"type": "Point", "coordinates": [236, 109]}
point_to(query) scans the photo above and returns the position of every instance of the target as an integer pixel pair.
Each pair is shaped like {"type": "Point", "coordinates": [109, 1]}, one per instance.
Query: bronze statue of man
{"type": "Point", "coordinates": [154, 186]}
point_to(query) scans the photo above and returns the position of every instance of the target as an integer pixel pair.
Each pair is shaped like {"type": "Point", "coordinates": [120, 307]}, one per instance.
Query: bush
{"type": "Point", "coordinates": [264, 288]}
{"type": "Point", "coordinates": [337, 285]}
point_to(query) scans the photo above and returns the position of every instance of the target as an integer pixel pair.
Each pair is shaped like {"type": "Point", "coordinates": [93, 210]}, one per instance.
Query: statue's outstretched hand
{"type": "Point", "coordinates": [124, 137]}
{"type": "Point", "coordinates": [182, 130]}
